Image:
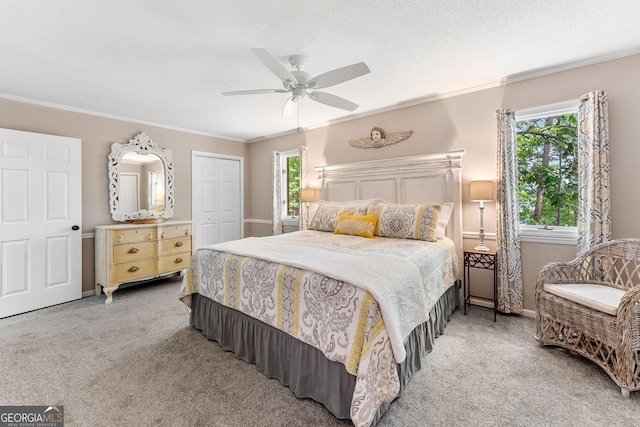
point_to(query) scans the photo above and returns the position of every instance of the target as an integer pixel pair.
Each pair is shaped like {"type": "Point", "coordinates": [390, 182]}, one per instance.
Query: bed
{"type": "Point", "coordinates": [340, 318]}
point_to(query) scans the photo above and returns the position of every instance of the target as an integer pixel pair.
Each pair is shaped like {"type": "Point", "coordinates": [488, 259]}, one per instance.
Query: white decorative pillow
{"type": "Point", "coordinates": [406, 221]}
{"type": "Point", "coordinates": [446, 209]}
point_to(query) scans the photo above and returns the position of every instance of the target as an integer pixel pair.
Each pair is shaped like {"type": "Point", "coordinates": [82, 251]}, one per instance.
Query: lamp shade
{"type": "Point", "coordinates": [481, 191]}
{"type": "Point", "coordinates": [308, 195]}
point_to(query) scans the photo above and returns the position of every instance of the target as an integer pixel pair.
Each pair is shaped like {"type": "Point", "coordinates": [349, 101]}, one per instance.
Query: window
{"type": "Point", "coordinates": [156, 190]}
{"type": "Point", "coordinates": [547, 148]}
{"type": "Point", "coordinates": [290, 166]}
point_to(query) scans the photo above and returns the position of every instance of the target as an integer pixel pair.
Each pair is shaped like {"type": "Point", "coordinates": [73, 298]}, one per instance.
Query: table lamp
{"type": "Point", "coordinates": [481, 191]}
{"type": "Point", "coordinates": [308, 195]}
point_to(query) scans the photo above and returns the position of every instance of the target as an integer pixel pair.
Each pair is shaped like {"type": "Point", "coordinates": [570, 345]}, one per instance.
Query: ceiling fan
{"type": "Point", "coordinates": [300, 83]}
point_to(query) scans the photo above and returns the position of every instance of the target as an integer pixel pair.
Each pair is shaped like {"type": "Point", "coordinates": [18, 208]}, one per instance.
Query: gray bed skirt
{"type": "Point", "coordinates": [302, 368]}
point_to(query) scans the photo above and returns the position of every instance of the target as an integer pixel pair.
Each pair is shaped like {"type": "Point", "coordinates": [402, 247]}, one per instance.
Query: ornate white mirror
{"type": "Point", "coordinates": [140, 181]}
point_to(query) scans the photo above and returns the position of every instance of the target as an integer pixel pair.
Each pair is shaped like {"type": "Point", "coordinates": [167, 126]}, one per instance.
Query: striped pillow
{"type": "Point", "coordinates": [406, 221]}
{"type": "Point", "coordinates": [326, 216]}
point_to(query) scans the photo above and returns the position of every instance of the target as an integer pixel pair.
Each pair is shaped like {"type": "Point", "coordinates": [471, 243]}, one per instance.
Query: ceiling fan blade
{"type": "Point", "coordinates": [276, 67]}
{"type": "Point", "coordinates": [254, 91]}
{"type": "Point", "coordinates": [339, 75]}
{"type": "Point", "coordinates": [289, 108]}
{"type": "Point", "coordinates": [333, 100]}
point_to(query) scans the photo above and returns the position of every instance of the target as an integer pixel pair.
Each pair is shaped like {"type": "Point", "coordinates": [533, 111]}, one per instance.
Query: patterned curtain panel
{"type": "Point", "coordinates": [303, 184]}
{"type": "Point", "coordinates": [509, 264]}
{"type": "Point", "coordinates": [276, 188]}
{"type": "Point", "coordinates": [594, 205]}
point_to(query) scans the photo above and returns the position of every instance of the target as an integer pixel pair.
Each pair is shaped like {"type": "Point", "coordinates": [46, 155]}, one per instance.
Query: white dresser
{"type": "Point", "coordinates": [132, 252]}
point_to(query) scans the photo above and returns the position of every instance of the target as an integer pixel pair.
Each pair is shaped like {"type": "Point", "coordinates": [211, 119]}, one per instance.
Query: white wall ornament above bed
{"type": "Point", "coordinates": [377, 138]}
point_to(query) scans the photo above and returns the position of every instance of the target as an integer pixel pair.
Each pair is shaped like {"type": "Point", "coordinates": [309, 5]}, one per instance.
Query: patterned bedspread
{"type": "Point", "coordinates": [329, 312]}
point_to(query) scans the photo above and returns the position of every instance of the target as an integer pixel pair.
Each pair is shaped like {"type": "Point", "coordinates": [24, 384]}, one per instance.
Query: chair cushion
{"type": "Point", "coordinates": [602, 298]}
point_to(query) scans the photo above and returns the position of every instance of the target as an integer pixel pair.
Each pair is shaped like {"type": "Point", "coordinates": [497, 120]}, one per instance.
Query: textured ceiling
{"type": "Point", "coordinates": [166, 62]}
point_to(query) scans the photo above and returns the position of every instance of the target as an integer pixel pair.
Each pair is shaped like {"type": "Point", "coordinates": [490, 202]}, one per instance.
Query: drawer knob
{"type": "Point", "coordinates": [150, 236]}
{"type": "Point", "coordinates": [162, 235]}
{"type": "Point", "coordinates": [178, 244]}
{"type": "Point", "coordinates": [133, 269]}
{"type": "Point", "coordinates": [133, 251]}
{"type": "Point", "coordinates": [186, 232]}
{"type": "Point", "coordinates": [121, 239]}
{"type": "Point", "coordinates": [178, 260]}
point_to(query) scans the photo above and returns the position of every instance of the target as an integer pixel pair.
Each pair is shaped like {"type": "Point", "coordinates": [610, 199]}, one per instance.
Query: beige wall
{"type": "Point", "coordinates": [97, 135]}
{"type": "Point", "coordinates": [467, 122]}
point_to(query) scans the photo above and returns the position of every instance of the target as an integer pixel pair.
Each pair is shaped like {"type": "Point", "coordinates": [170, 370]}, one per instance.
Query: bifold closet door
{"type": "Point", "coordinates": [216, 198]}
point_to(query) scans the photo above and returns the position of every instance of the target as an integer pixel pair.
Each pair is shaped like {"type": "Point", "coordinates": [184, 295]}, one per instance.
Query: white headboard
{"type": "Point", "coordinates": [432, 178]}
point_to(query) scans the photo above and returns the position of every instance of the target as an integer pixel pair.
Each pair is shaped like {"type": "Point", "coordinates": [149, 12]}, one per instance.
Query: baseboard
{"type": "Point", "coordinates": [529, 313]}
{"type": "Point", "coordinates": [86, 294]}
{"type": "Point", "coordinates": [489, 304]}
{"type": "Point", "coordinates": [481, 302]}
{"type": "Point", "coordinates": [257, 221]}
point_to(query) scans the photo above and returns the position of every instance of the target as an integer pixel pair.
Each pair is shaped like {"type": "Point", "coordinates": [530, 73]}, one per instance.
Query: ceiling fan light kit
{"type": "Point", "coordinates": [300, 83]}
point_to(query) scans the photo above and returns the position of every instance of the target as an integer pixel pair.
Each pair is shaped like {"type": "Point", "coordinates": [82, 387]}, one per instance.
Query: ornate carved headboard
{"type": "Point", "coordinates": [432, 178]}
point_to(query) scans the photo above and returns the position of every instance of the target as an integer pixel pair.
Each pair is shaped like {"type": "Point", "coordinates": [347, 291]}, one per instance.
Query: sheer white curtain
{"type": "Point", "coordinates": [509, 264]}
{"type": "Point", "coordinates": [303, 184]}
{"type": "Point", "coordinates": [276, 192]}
{"type": "Point", "coordinates": [594, 204]}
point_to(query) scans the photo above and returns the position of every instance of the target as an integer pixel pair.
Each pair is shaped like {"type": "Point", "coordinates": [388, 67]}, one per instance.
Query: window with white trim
{"type": "Point", "coordinates": [290, 191]}
{"type": "Point", "coordinates": [547, 149]}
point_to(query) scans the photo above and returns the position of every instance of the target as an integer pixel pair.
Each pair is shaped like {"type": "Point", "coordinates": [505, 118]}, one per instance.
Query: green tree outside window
{"type": "Point", "coordinates": [293, 186]}
{"type": "Point", "coordinates": [548, 170]}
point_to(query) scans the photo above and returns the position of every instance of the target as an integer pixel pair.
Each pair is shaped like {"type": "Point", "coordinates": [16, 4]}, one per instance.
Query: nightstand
{"type": "Point", "coordinates": [485, 260]}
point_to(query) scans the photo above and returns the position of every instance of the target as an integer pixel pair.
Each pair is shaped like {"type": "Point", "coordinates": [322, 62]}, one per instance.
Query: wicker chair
{"type": "Point", "coordinates": [604, 325]}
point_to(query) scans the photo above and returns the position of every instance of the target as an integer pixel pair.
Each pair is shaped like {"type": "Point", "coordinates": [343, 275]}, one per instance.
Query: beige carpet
{"type": "Point", "coordinates": [137, 362]}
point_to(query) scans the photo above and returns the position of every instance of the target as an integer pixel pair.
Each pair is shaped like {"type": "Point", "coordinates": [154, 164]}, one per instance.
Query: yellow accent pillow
{"type": "Point", "coordinates": [356, 225]}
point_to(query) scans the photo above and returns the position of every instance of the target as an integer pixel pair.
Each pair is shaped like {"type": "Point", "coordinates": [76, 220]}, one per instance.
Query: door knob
{"type": "Point", "coordinates": [75, 228]}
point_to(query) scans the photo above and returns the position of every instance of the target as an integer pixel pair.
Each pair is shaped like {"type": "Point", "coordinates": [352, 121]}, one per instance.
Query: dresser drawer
{"type": "Point", "coordinates": [174, 262]}
{"type": "Point", "coordinates": [134, 251]}
{"type": "Point", "coordinates": [169, 232]}
{"type": "Point", "coordinates": [129, 271]}
{"type": "Point", "coordinates": [171, 246]}
{"type": "Point", "coordinates": [134, 235]}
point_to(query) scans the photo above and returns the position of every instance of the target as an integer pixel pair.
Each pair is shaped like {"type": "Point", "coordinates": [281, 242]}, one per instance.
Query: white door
{"type": "Point", "coordinates": [129, 192]}
{"type": "Point", "coordinates": [40, 220]}
{"type": "Point", "coordinates": [229, 200]}
{"type": "Point", "coordinates": [216, 195]}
